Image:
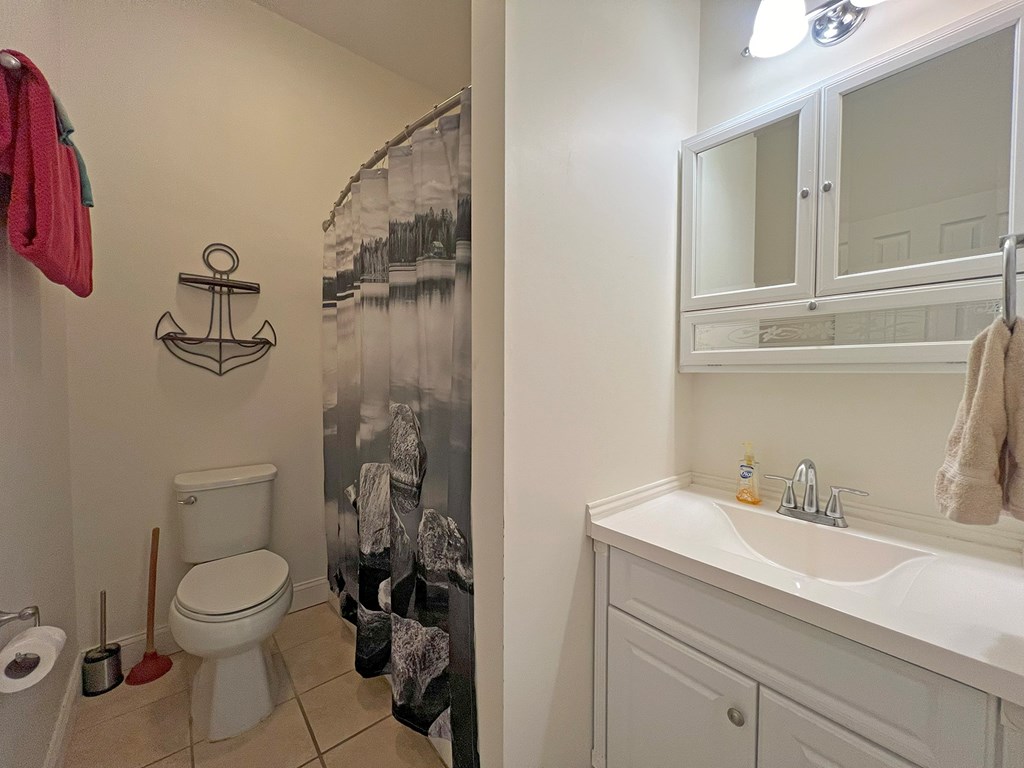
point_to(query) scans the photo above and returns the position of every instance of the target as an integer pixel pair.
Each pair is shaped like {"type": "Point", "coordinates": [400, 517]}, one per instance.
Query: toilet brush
{"type": "Point", "coordinates": [101, 667]}
{"type": "Point", "coordinates": [153, 665]}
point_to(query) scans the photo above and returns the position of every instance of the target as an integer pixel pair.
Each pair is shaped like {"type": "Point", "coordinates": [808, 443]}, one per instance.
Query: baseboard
{"type": "Point", "coordinates": [65, 724]}
{"type": "Point", "coordinates": [133, 646]}
{"type": "Point", "coordinates": [310, 593]}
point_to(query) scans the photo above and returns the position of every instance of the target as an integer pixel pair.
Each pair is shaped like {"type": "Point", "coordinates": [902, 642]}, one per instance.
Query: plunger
{"type": "Point", "coordinates": [153, 665]}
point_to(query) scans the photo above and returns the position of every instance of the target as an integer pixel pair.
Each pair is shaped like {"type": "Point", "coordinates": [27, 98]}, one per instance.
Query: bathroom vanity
{"type": "Point", "coordinates": [734, 637]}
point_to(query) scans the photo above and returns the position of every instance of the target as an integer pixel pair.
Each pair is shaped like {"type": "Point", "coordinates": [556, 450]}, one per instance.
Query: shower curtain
{"type": "Point", "coordinates": [396, 384]}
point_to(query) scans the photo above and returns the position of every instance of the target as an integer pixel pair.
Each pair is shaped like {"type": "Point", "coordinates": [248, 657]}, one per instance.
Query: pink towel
{"type": "Point", "coordinates": [46, 221]}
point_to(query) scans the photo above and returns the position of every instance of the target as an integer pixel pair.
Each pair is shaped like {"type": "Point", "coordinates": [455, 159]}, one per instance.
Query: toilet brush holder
{"type": "Point", "coordinates": [101, 667]}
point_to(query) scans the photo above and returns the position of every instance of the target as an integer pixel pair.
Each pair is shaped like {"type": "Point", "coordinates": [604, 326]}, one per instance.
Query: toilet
{"type": "Point", "coordinates": [232, 599]}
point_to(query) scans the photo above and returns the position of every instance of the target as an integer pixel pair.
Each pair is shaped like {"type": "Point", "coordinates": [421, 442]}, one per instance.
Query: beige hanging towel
{"type": "Point", "coordinates": [1013, 384]}
{"type": "Point", "coordinates": [968, 488]}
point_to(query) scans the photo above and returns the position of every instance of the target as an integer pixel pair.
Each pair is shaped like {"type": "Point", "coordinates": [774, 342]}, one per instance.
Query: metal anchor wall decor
{"type": "Point", "coordinates": [219, 350]}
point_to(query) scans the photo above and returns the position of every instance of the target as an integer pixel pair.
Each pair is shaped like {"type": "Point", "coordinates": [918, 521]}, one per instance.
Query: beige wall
{"type": "Point", "coordinates": [36, 559]}
{"type": "Point", "coordinates": [884, 433]}
{"type": "Point", "coordinates": [488, 499]}
{"type": "Point", "coordinates": [597, 98]}
{"type": "Point", "coordinates": [201, 122]}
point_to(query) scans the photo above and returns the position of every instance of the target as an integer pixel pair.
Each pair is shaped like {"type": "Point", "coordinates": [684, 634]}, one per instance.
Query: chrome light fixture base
{"type": "Point", "coordinates": [837, 23]}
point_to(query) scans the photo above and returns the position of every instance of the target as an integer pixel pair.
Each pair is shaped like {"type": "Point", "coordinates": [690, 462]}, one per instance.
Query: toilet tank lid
{"type": "Point", "coordinates": [224, 478]}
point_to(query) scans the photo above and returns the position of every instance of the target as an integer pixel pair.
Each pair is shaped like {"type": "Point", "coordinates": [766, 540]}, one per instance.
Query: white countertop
{"type": "Point", "coordinates": [953, 613]}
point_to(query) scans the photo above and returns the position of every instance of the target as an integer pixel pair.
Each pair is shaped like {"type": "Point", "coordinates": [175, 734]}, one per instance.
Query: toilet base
{"type": "Point", "coordinates": [232, 694]}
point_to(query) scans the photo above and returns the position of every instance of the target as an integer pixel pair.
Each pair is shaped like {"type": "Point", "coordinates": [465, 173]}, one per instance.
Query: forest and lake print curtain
{"type": "Point", "coordinates": [396, 384]}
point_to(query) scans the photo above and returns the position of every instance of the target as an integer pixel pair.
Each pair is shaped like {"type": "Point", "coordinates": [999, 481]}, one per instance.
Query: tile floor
{"type": "Point", "coordinates": [327, 715]}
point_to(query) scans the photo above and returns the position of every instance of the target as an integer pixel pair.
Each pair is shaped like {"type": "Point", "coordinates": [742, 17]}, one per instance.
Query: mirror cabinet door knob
{"type": "Point", "coordinates": [805, 193]}
{"type": "Point", "coordinates": [736, 717]}
{"type": "Point", "coordinates": [826, 187]}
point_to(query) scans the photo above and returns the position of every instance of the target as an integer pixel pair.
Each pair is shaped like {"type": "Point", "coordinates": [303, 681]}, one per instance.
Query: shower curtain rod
{"type": "Point", "coordinates": [403, 136]}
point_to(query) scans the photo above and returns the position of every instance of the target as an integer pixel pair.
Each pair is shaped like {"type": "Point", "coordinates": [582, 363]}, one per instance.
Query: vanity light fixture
{"type": "Point", "coordinates": [780, 25]}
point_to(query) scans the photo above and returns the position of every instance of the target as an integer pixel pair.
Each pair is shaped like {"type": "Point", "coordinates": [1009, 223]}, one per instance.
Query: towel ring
{"type": "Point", "coordinates": [1009, 244]}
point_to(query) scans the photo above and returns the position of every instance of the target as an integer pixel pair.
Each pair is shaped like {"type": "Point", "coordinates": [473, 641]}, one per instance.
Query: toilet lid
{"type": "Point", "coordinates": [233, 584]}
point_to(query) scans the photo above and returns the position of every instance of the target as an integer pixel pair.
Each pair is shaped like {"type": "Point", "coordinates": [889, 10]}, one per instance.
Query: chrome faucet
{"type": "Point", "coordinates": [810, 509]}
{"type": "Point", "coordinates": [807, 474]}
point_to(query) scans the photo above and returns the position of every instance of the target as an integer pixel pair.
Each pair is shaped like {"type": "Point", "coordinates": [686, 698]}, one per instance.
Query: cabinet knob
{"type": "Point", "coordinates": [812, 305]}
{"type": "Point", "coordinates": [805, 193]}
{"type": "Point", "coordinates": [736, 717]}
{"type": "Point", "coordinates": [826, 187]}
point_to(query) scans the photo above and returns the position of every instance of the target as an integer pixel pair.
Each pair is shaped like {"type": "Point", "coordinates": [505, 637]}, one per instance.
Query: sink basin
{"type": "Point", "coordinates": [818, 551]}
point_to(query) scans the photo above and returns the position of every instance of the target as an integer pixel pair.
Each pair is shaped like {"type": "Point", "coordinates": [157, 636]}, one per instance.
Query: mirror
{"type": "Point", "coordinates": [746, 222]}
{"type": "Point", "coordinates": [909, 192]}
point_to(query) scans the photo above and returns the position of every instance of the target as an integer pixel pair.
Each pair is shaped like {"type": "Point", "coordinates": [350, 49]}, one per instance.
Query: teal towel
{"type": "Point", "coordinates": [65, 129]}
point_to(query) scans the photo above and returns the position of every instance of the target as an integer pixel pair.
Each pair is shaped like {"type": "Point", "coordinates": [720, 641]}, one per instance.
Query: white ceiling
{"type": "Point", "coordinates": [426, 41]}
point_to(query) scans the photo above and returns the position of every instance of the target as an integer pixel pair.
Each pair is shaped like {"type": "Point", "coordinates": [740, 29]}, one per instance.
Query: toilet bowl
{"type": "Point", "coordinates": [223, 612]}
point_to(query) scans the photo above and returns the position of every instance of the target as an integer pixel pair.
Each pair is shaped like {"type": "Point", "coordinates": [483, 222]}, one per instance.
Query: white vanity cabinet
{"type": "Point", "coordinates": [687, 674]}
{"type": "Point", "coordinates": [667, 699]}
{"type": "Point", "coordinates": [792, 736]}
{"type": "Point", "coordinates": [858, 223]}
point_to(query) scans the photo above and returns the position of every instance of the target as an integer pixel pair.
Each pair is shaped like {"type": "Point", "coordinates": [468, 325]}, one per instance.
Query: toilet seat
{"type": "Point", "coordinates": [233, 587]}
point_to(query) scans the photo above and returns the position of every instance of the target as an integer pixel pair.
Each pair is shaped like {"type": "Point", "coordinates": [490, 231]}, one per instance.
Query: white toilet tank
{"type": "Point", "coordinates": [224, 512]}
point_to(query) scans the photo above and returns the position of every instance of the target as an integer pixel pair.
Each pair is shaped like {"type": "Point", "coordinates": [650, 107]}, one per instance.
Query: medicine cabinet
{"type": "Point", "coordinates": [859, 223]}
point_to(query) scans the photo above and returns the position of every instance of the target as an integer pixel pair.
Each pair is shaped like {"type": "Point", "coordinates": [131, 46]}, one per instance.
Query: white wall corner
{"type": "Point", "coordinates": [310, 593]}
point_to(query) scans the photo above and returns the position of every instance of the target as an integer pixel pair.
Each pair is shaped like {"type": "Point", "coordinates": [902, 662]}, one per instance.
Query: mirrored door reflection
{"type": "Point", "coordinates": [747, 210]}
{"type": "Point", "coordinates": [925, 160]}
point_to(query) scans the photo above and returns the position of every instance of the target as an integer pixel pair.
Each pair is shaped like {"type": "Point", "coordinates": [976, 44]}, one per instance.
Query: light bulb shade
{"type": "Point", "coordinates": [779, 26]}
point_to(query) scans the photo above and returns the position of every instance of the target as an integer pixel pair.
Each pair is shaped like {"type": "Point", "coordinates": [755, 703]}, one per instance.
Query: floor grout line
{"type": "Point", "coordinates": [191, 733]}
{"type": "Point", "coordinates": [357, 733]}
{"type": "Point", "coordinates": [322, 682]}
{"type": "Point", "coordinates": [191, 725]}
{"type": "Point", "coordinates": [172, 754]}
{"type": "Point", "coordinates": [309, 727]}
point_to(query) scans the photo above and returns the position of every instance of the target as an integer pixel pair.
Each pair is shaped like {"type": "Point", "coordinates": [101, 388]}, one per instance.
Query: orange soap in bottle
{"type": "Point", "coordinates": [747, 488]}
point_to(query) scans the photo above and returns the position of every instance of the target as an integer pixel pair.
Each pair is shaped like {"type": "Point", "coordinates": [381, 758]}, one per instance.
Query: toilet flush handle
{"type": "Point", "coordinates": [188, 501]}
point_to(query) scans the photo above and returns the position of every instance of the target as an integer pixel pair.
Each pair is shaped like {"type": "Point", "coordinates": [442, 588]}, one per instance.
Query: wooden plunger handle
{"type": "Point", "coordinates": [154, 549]}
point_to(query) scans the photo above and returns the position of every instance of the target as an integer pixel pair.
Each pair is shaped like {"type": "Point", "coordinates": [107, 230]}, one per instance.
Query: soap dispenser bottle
{"type": "Point", "coordinates": [747, 489]}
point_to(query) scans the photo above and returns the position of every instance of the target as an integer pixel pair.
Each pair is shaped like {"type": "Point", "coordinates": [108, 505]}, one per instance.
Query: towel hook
{"type": "Point", "coordinates": [1009, 244]}
{"type": "Point", "coordinates": [9, 61]}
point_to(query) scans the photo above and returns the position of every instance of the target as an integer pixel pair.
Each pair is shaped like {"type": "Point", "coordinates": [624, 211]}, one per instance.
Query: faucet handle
{"type": "Point", "coordinates": [788, 499]}
{"type": "Point", "coordinates": [834, 508]}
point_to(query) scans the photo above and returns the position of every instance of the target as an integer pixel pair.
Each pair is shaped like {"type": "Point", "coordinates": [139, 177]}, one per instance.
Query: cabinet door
{"type": "Point", "coordinates": [669, 705]}
{"type": "Point", "coordinates": [748, 209]}
{"type": "Point", "coordinates": [920, 164]}
{"type": "Point", "coordinates": [790, 736]}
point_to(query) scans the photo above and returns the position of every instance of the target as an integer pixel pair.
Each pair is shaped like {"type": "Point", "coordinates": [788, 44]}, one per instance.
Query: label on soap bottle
{"type": "Point", "coordinates": [746, 471]}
